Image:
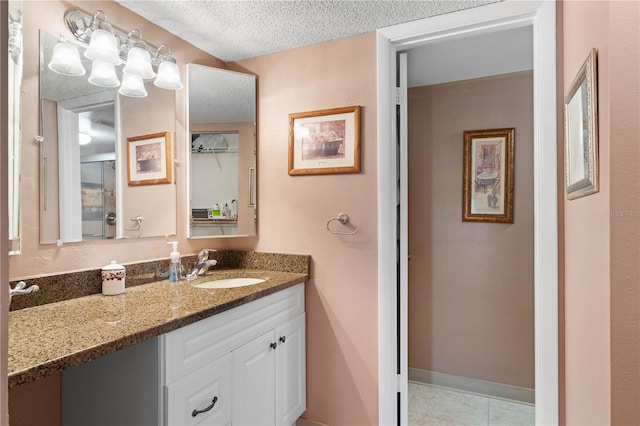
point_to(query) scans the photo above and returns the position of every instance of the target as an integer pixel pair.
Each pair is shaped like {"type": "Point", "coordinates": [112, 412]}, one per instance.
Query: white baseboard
{"type": "Point", "coordinates": [481, 387]}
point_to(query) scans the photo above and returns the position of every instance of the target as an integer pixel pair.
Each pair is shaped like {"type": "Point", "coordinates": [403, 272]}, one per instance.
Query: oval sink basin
{"type": "Point", "coordinates": [227, 283]}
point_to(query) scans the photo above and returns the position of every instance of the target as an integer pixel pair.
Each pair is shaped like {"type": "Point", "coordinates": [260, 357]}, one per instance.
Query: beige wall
{"type": "Point", "coordinates": [154, 114]}
{"type": "Point", "coordinates": [624, 89]}
{"type": "Point", "coordinates": [342, 378]}
{"type": "Point", "coordinates": [470, 284]}
{"type": "Point", "coordinates": [587, 236]}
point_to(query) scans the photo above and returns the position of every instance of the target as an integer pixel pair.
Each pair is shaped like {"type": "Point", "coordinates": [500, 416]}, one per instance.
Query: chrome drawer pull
{"type": "Point", "coordinates": [213, 402]}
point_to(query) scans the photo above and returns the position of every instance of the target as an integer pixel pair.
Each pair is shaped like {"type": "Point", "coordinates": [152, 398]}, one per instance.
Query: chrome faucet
{"type": "Point", "coordinates": [20, 289]}
{"type": "Point", "coordinates": [203, 263]}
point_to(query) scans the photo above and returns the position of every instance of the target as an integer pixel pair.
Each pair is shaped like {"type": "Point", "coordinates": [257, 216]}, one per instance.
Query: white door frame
{"type": "Point", "coordinates": [494, 17]}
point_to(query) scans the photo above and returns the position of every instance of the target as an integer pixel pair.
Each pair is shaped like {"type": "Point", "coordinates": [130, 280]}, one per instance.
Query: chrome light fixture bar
{"type": "Point", "coordinates": [142, 60]}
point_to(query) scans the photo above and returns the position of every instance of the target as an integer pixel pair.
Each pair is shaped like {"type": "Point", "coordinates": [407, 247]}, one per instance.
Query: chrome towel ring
{"type": "Point", "coordinates": [343, 218]}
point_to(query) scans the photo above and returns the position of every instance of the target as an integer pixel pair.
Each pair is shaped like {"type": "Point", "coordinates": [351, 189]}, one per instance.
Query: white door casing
{"type": "Point", "coordinates": [495, 17]}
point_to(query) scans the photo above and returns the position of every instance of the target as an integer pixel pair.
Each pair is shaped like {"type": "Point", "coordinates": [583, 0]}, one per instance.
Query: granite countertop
{"type": "Point", "coordinates": [49, 338]}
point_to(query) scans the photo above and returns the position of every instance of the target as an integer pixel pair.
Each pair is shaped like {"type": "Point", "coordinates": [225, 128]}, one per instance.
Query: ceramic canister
{"type": "Point", "coordinates": [113, 276]}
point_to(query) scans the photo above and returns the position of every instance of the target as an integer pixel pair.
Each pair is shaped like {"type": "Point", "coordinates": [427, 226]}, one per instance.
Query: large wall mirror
{"type": "Point", "coordinates": [84, 194]}
{"type": "Point", "coordinates": [14, 128]}
{"type": "Point", "coordinates": [222, 155]}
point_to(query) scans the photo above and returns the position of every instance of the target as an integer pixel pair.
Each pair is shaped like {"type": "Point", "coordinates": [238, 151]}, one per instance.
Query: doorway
{"type": "Point", "coordinates": [393, 196]}
{"type": "Point", "coordinates": [470, 282]}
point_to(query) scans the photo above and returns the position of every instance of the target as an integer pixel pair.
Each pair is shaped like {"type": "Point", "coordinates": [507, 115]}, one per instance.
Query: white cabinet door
{"type": "Point", "coordinates": [202, 398]}
{"type": "Point", "coordinates": [254, 381]}
{"type": "Point", "coordinates": [291, 397]}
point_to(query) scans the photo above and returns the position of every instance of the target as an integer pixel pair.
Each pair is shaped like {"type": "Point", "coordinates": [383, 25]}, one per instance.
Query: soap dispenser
{"type": "Point", "coordinates": [175, 268]}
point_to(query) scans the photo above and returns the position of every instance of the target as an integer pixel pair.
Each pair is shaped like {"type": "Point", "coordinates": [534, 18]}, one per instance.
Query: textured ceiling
{"type": "Point", "coordinates": [234, 30]}
{"type": "Point", "coordinates": [220, 96]}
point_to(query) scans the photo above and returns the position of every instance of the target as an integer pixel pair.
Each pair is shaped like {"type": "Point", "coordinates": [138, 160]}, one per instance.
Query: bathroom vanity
{"type": "Point", "coordinates": [242, 366]}
{"type": "Point", "coordinates": [171, 354]}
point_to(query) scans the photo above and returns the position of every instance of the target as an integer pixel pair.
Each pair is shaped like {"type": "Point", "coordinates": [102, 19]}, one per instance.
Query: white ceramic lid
{"type": "Point", "coordinates": [112, 266]}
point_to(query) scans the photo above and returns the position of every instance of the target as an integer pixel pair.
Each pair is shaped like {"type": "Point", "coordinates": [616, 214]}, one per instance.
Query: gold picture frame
{"type": "Point", "coordinates": [581, 131]}
{"type": "Point", "coordinates": [149, 159]}
{"type": "Point", "coordinates": [325, 141]}
{"type": "Point", "coordinates": [488, 180]}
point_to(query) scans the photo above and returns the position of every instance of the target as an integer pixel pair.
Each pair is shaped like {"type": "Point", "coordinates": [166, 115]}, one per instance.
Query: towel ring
{"type": "Point", "coordinates": [343, 218]}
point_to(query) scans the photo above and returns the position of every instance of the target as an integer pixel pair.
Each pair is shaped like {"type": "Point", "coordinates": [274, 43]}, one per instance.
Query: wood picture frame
{"type": "Point", "coordinates": [325, 141]}
{"type": "Point", "coordinates": [149, 159]}
{"type": "Point", "coordinates": [581, 131]}
{"type": "Point", "coordinates": [488, 175]}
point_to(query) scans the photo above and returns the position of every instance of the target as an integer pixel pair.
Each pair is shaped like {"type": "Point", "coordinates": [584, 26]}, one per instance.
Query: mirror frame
{"type": "Point", "coordinates": [14, 88]}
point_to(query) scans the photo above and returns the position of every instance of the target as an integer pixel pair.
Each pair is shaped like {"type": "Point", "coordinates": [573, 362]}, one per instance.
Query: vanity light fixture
{"type": "Point", "coordinates": [132, 86]}
{"type": "Point", "coordinates": [108, 47]}
{"type": "Point", "coordinates": [103, 45]}
{"type": "Point", "coordinates": [168, 73]}
{"type": "Point", "coordinates": [66, 59]}
{"type": "Point", "coordinates": [138, 57]}
{"type": "Point", "coordinates": [103, 74]}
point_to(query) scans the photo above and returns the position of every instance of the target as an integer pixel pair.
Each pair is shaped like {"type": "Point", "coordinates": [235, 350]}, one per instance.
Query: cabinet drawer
{"type": "Point", "coordinates": [195, 345]}
{"type": "Point", "coordinates": [206, 393]}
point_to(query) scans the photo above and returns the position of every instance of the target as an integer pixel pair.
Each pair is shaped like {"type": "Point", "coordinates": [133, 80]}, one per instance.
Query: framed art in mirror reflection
{"type": "Point", "coordinates": [149, 159]}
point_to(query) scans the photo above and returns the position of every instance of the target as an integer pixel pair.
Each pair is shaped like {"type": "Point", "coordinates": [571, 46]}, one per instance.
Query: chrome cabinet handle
{"type": "Point", "coordinates": [213, 402]}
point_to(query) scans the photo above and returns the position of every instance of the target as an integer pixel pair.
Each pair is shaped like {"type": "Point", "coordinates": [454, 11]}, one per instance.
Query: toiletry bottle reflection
{"type": "Point", "coordinates": [175, 274]}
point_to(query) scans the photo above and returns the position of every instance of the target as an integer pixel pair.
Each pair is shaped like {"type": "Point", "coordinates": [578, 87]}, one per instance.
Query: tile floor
{"type": "Point", "coordinates": [436, 406]}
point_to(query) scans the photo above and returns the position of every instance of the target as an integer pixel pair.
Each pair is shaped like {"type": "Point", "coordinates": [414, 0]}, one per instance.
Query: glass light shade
{"type": "Point", "coordinates": [139, 63]}
{"type": "Point", "coordinates": [168, 76]}
{"type": "Point", "coordinates": [132, 86]}
{"type": "Point", "coordinates": [103, 47]}
{"type": "Point", "coordinates": [66, 60]}
{"type": "Point", "coordinates": [103, 74]}
{"type": "Point", "coordinates": [83, 138]}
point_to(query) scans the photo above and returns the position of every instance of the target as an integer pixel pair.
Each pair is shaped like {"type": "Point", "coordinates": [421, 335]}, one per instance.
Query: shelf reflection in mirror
{"type": "Point", "coordinates": [222, 155]}
{"type": "Point", "coordinates": [83, 188]}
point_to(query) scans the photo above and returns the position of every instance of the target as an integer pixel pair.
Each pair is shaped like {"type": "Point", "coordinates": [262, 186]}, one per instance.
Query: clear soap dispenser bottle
{"type": "Point", "coordinates": [175, 268]}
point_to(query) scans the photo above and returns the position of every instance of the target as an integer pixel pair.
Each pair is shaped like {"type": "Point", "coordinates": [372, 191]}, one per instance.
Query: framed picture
{"type": "Point", "coordinates": [148, 159]}
{"type": "Point", "coordinates": [581, 131]}
{"type": "Point", "coordinates": [325, 141]}
{"type": "Point", "coordinates": [488, 175]}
